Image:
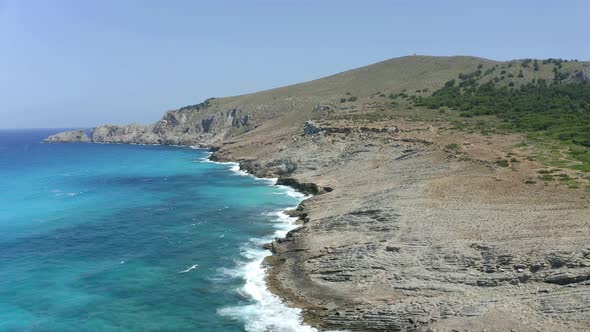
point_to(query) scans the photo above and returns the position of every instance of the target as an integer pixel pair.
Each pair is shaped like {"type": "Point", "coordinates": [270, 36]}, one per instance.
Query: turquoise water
{"type": "Point", "coordinates": [97, 237]}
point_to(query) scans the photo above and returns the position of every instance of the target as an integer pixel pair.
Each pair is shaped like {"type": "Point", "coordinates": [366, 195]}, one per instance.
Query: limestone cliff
{"type": "Point", "coordinates": [187, 126]}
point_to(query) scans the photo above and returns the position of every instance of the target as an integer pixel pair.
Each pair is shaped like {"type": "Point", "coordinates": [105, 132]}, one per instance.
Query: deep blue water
{"type": "Point", "coordinates": [97, 237]}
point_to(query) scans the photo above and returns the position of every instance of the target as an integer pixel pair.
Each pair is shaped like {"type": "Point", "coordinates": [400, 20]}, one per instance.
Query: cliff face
{"type": "Point", "coordinates": [181, 127]}
{"type": "Point", "coordinates": [190, 127]}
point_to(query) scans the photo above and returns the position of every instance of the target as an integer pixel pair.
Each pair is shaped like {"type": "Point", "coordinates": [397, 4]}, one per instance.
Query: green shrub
{"type": "Point", "coordinates": [502, 163]}
{"type": "Point", "coordinates": [559, 76]}
{"type": "Point", "coordinates": [525, 63]}
{"type": "Point", "coordinates": [470, 75]}
{"type": "Point", "coordinates": [452, 146]}
{"type": "Point", "coordinates": [201, 106]}
{"type": "Point", "coordinates": [559, 111]}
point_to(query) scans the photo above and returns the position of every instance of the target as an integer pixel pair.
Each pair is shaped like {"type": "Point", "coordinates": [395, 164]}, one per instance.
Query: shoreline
{"type": "Point", "coordinates": [261, 262]}
{"type": "Point", "coordinates": [404, 235]}
{"type": "Point", "coordinates": [307, 321]}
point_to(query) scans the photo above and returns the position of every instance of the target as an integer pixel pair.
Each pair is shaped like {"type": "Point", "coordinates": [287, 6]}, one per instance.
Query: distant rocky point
{"type": "Point", "coordinates": [69, 136]}
{"type": "Point", "coordinates": [180, 127]}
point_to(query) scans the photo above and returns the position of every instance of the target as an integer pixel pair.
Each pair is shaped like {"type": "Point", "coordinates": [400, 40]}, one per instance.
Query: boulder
{"type": "Point", "coordinates": [281, 166]}
{"type": "Point", "coordinates": [310, 128]}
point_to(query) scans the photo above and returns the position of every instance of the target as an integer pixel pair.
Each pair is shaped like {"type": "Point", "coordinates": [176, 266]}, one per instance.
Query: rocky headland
{"type": "Point", "coordinates": [74, 136]}
{"type": "Point", "coordinates": [414, 224]}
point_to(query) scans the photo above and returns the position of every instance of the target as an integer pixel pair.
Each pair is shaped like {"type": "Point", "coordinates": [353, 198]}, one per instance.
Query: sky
{"type": "Point", "coordinates": [71, 63]}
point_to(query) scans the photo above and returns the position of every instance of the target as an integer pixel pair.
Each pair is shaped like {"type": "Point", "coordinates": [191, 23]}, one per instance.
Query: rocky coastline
{"type": "Point", "coordinates": [369, 255]}
{"type": "Point", "coordinates": [413, 225]}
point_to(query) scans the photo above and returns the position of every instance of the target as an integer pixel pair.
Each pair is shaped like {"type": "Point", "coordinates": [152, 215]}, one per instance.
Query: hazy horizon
{"type": "Point", "coordinates": [70, 64]}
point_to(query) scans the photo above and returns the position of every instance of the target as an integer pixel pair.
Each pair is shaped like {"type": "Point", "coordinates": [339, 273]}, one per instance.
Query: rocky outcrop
{"type": "Point", "coordinates": [181, 127]}
{"type": "Point", "coordinates": [69, 136]}
{"type": "Point", "coordinates": [306, 188]}
{"type": "Point", "coordinates": [581, 76]}
{"type": "Point", "coordinates": [133, 133]}
{"type": "Point", "coordinates": [310, 128]}
{"type": "Point", "coordinates": [281, 166]}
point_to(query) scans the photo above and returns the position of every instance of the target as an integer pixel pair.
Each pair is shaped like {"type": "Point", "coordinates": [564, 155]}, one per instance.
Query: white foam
{"type": "Point", "coordinates": [267, 312]}
{"type": "Point", "coordinates": [235, 168]}
{"type": "Point", "coordinates": [189, 269]}
{"type": "Point", "coordinates": [203, 159]}
{"type": "Point", "coordinates": [293, 193]}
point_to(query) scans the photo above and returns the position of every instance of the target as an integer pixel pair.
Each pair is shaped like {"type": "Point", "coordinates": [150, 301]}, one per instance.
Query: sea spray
{"type": "Point", "coordinates": [267, 312]}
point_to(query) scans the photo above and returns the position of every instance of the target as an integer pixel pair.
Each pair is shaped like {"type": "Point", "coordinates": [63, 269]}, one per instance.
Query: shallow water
{"type": "Point", "coordinates": [101, 237]}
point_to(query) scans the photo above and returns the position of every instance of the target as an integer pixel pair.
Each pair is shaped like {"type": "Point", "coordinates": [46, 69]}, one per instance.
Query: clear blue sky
{"type": "Point", "coordinates": [83, 63]}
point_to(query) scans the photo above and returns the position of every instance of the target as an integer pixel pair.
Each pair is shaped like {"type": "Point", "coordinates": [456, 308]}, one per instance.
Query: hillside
{"type": "Point", "coordinates": [380, 86]}
{"type": "Point", "coordinates": [439, 204]}
{"type": "Point", "coordinates": [483, 98]}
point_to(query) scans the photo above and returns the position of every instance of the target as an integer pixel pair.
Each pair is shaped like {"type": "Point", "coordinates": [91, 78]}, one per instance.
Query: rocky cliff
{"type": "Point", "coordinates": [181, 127]}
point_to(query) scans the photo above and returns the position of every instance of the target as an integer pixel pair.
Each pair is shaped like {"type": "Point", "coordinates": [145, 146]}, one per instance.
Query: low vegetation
{"type": "Point", "coordinates": [554, 113]}
{"type": "Point", "coordinates": [200, 106]}
{"type": "Point", "coordinates": [558, 110]}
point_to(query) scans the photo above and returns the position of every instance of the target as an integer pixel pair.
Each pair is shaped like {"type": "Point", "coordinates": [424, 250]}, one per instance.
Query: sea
{"type": "Point", "coordinates": [118, 237]}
